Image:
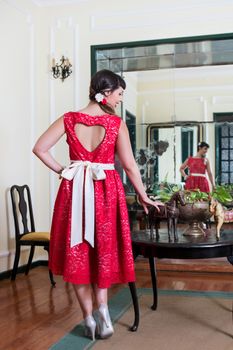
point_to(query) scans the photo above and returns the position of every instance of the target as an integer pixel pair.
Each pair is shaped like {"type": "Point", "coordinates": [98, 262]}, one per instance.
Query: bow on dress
{"type": "Point", "coordinates": [75, 172]}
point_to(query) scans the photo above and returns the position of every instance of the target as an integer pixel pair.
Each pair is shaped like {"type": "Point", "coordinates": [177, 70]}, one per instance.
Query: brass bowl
{"type": "Point", "coordinates": [195, 214]}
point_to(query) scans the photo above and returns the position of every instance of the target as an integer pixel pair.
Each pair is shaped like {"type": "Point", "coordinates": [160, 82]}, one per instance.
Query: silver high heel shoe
{"type": "Point", "coordinates": [104, 324]}
{"type": "Point", "coordinates": [90, 327]}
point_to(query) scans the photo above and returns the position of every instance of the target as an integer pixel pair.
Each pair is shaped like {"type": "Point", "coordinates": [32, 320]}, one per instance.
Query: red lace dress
{"type": "Point", "coordinates": [110, 260]}
{"type": "Point", "coordinates": [197, 175]}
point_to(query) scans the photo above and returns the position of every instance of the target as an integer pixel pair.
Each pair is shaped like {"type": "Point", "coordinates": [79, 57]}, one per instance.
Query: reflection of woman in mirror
{"type": "Point", "coordinates": [198, 166]}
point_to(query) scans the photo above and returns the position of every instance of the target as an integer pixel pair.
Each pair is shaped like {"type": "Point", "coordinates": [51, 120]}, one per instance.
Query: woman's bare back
{"type": "Point", "coordinates": [90, 136]}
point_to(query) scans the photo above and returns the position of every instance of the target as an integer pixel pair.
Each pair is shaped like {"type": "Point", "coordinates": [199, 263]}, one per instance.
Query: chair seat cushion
{"type": "Point", "coordinates": [36, 236]}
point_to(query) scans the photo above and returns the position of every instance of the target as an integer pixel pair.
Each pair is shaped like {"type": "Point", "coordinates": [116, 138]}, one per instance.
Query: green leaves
{"type": "Point", "coordinates": [222, 194]}
{"type": "Point", "coordinates": [164, 191]}
{"type": "Point", "coordinates": [195, 195]}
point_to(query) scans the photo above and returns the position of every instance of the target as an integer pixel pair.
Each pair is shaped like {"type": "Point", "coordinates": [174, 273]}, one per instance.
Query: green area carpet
{"type": "Point", "coordinates": [184, 320]}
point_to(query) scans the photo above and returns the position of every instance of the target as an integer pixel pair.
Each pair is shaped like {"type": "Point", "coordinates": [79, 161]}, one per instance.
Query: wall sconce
{"type": "Point", "coordinates": [62, 70]}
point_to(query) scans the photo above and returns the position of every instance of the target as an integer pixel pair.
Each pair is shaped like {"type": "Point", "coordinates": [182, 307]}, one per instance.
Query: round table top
{"type": "Point", "coordinates": [209, 240]}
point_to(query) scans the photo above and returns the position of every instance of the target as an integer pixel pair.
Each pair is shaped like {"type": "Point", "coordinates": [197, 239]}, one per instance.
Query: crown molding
{"type": "Point", "coordinates": [198, 12]}
{"type": "Point", "coordinates": [46, 3]}
{"type": "Point", "coordinates": [21, 9]}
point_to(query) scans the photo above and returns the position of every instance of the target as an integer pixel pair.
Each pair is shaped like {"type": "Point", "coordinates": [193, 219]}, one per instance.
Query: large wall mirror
{"type": "Point", "coordinates": [179, 92]}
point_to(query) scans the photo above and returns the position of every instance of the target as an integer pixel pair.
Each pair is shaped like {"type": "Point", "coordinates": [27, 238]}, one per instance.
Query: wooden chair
{"type": "Point", "coordinates": [22, 206]}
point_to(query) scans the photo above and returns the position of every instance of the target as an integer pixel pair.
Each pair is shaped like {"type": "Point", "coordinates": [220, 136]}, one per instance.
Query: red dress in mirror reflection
{"type": "Point", "coordinates": [197, 175]}
{"type": "Point", "coordinates": [111, 260]}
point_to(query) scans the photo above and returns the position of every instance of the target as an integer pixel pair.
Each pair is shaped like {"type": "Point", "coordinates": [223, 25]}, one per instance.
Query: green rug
{"type": "Point", "coordinates": [177, 307]}
{"type": "Point", "coordinates": [75, 340]}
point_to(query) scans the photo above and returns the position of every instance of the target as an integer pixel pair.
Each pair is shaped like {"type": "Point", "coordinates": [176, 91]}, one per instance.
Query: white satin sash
{"type": "Point", "coordinates": [75, 172]}
{"type": "Point", "coordinates": [195, 174]}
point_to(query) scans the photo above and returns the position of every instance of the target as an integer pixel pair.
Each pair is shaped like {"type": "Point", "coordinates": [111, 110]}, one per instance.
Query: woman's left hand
{"type": "Point", "coordinates": [146, 201]}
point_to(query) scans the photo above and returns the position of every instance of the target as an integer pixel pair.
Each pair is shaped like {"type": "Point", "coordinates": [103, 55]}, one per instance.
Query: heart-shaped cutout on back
{"type": "Point", "coordinates": [90, 136]}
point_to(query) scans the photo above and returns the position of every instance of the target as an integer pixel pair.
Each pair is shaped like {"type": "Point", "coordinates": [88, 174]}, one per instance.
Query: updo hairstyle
{"type": "Point", "coordinates": [202, 145]}
{"type": "Point", "coordinates": [105, 81]}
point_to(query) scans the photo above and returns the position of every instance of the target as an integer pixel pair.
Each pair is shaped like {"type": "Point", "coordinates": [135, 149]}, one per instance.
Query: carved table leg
{"type": "Point", "coordinates": [154, 282]}
{"type": "Point", "coordinates": [133, 292]}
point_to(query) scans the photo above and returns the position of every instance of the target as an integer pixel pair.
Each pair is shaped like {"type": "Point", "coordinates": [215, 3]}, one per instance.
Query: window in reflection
{"type": "Point", "coordinates": [224, 146]}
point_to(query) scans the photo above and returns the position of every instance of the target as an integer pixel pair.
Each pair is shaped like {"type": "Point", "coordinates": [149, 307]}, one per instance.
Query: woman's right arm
{"type": "Point", "coordinates": [126, 157]}
{"type": "Point", "coordinates": [46, 141]}
{"type": "Point", "coordinates": [183, 167]}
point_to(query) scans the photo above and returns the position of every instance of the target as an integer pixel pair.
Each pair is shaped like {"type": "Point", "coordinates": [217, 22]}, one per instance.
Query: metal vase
{"type": "Point", "coordinates": [195, 213]}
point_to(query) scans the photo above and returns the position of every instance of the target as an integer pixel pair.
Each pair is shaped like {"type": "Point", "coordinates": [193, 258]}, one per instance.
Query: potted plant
{"type": "Point", "coordinates": [196, 210]}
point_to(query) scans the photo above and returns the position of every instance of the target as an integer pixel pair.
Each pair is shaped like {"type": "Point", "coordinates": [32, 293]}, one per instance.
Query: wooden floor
{"type": "Point", "coordinates": [34, 316]}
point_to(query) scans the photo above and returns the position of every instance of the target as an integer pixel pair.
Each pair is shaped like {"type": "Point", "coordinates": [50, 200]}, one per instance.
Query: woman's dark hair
{"type": "Point", "coordinates": [202, 144]}
{"type": "Point", "coordinates": [103, 81]}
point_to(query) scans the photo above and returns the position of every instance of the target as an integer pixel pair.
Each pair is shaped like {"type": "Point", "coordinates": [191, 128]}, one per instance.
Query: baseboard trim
{"type": "Point", "coordinates": [21, 269]}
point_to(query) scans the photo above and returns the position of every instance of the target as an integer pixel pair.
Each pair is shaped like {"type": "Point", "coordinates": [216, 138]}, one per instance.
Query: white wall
{"type": "Point", "coordinates": [131, 93]}
{"type": "Point", "coordinates": [31, 100]}
{"type": "Point", "coordinates": [17, 91]}
{"type": "Point", "coordinates": [190, 94]}
{"type": "Point", "coordinates": [168, 156]}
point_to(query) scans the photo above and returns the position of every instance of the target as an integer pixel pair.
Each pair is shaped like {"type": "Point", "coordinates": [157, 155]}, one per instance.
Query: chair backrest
{"type": "Point", "coordinates": [22, 206]}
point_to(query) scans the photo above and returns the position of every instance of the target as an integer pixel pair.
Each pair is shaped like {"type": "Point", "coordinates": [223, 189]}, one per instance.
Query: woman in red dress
{"type": "Point", "coordinates": [90, 235]}
{"type": "Point", "coordinates": [198, 166]}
